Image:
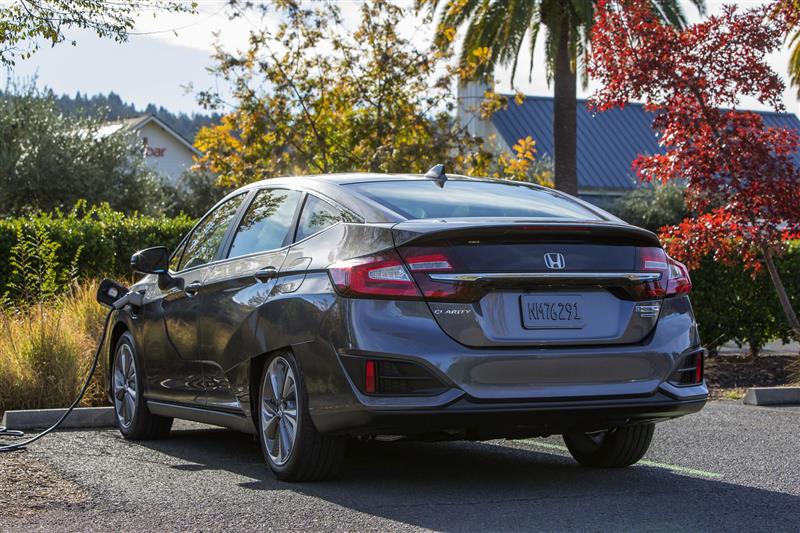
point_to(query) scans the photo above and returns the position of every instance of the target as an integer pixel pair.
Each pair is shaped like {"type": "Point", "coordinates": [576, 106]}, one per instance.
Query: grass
{"type": "Point", "coordinates": [733, 394]}
{"type": "Point", "coordinates": [46, 351]}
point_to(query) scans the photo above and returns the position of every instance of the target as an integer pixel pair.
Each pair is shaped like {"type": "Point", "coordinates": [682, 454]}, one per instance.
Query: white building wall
{"type": "Point", "coordinates": [163, 152]}
{"type": "Point", "coordinates": [470, 95]}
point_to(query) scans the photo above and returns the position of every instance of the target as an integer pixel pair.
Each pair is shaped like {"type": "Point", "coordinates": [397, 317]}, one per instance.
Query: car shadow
{"type": "Point", "coordinates": [461, 486]}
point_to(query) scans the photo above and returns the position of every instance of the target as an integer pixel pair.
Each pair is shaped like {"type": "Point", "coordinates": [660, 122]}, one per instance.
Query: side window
{"type": "Point", "coordinates": [175, 260]}
{"type": "Point", "coordinates": [318, 215]}
{"type": "Point", "coordinates": [266, 222]}
{"type": "Point", "coordinates": [207, 236]}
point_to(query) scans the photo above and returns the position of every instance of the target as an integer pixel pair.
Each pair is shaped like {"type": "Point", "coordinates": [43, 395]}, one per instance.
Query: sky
{"type": "Point", "coordinates": [165, 60]}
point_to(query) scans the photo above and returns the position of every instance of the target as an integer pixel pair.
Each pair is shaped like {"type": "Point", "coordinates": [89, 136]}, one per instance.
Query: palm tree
{"type": "Point", "coordinates": [790, 9]}
{"type": "Point", "coordinates": [504, 25]}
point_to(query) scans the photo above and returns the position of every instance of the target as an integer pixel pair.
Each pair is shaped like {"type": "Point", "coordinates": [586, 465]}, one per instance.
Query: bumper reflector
{"type": "Point", "coordinates": [370, 381]}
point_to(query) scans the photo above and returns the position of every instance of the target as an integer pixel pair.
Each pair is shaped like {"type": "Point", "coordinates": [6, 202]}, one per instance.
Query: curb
{"type": "Point", "coordinates": [772, 396]}
{"type": "Point", "coordinates": [81, 417]}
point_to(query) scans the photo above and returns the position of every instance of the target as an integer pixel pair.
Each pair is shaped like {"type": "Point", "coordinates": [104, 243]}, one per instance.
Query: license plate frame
{"type": "Point", "coordinates": [552, 311]}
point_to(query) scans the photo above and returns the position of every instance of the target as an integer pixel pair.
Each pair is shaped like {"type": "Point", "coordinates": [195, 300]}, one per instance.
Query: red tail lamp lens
{"type": "Point", "coordinates": [674, 274]}
{"type": "Point", "coordinates": [679, 280]}
{"type": "Point", "coordinates": [698, 374]}
{"type": "Point", "coordinates": [423, 262]}
{"type": "Point", "coordinates": [652, 259]}
{"type": "Point", "coordinates": [370, 379]}
{"type": "Point", "coordinates": [382, 275]}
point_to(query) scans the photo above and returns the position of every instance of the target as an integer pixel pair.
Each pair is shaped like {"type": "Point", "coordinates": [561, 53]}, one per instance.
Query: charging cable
{"type": "Point", "coordinates": [13, 433]}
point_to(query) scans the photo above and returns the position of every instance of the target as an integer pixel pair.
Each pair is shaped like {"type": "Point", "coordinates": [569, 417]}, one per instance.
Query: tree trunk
{"type": "Point", "coordinates": [565, 100]}
{"type": "Point", "coordinates": [786, 304]}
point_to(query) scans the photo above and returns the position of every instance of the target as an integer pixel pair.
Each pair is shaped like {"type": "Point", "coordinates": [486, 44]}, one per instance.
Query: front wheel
{"type": "Point", "coordinates": [134, 420]}
{"type": "Point", "coordinates": [291, 445]}
{"type": "Point", "coordinates": [613, 448]}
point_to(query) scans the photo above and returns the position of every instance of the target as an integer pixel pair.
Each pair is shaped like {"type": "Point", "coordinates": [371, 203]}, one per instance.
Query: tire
{"type": "Point", "coordinates": [614, 448]}
{"type": "Point", "coordinates": [127, 385]}
{"type": "Point", "coordinates": [302, 454]}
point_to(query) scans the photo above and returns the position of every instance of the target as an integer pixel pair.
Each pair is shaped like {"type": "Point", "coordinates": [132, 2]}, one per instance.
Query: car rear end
{"type": "Point", "coordinates": [519, 312]}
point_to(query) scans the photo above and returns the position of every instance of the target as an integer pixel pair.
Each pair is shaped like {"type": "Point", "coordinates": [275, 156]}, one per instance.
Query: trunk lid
{"type": "Point", "coordinates": [492, 283]}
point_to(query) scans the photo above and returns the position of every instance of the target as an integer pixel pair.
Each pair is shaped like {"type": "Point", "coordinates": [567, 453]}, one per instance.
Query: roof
{"type": "Point", "coordinates": [345, 178]}
{"type": "Point", "coordinates": [608, 142]}
{"type": "Point", "coordinates": [136, 123]}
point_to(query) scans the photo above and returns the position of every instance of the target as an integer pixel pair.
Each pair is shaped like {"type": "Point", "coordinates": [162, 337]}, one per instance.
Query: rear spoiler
{"type": "Point", "coordinates": [453, 230]}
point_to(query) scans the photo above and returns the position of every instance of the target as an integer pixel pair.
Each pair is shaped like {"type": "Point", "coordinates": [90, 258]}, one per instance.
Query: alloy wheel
{"type": "Point", "coordinates": [125, 389]}
{"type": "Point", "coordinates": [279, 410]}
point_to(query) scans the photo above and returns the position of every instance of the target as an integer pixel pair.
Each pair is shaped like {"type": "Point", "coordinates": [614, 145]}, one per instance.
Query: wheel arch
{"type": "Point", "coordinates": [117, 329]}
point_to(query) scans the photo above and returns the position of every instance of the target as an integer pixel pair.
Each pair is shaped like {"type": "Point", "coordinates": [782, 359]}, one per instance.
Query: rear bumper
{"type": "Point", "coordinates": [467, 418]}
{"type": "Point", "coordinates": [498, 392]}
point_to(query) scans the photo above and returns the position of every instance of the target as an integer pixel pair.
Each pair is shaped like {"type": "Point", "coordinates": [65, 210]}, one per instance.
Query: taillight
{"type": "Point", "coordinates": [651, 260]}
{"type": "Point", "coordinates": [423, 261]}
{"type": "Point", "coordinates": [428, 263]}
{"type": "Point", "coordinates": [679, 280]}
{"type": "Point", "coordinates": [379, 276]}
{"type": "Point", "coordinates": [674, 276]}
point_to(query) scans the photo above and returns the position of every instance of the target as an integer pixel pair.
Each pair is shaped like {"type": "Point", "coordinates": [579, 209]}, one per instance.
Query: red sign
{"type": "Point", "coordinates": [152, 151]}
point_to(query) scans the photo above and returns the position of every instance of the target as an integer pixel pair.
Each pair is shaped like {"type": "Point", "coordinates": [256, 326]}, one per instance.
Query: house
{"type": "Point", "coordinates": [608, 142]}
{"type": "Point", "coordinates": [165, 150]}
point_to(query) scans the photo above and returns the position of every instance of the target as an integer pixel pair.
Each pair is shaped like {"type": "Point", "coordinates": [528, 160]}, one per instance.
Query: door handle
{"type": "Point", "coordinates": [192, 288]}
{"type": "Point", "coordinates": [266, 274]}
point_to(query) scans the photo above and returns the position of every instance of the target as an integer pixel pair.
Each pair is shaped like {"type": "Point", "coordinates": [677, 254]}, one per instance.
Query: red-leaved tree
{"type": "Point", "coordinates": [741, 180]}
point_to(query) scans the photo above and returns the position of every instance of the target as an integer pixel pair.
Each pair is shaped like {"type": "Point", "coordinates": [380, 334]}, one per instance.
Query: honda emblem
{"type": "Point", "coordinates": [554, 261]}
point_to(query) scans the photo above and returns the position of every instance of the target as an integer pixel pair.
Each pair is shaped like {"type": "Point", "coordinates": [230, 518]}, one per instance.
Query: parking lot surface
{"type": "Point", "coordinates": [728, 468]}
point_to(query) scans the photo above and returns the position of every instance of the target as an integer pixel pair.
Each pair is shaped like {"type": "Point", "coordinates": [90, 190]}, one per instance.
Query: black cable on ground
{"type": "Point", "coordinates": [13, 433]}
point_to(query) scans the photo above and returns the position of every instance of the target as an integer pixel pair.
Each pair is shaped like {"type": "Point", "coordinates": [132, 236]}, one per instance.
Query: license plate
{"type": "Point", "coordinates": [541, 311]}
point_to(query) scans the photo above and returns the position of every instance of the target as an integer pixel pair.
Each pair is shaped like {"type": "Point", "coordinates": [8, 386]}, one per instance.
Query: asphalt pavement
{"type": "Point", "coordinates": [729, 468]}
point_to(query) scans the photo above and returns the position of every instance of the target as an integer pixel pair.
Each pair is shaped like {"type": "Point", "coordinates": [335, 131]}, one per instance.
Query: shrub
{"type": "Point", "coordinates": [36, 275]}
{"type": "Point", "coordinates": [731, 304]}
{"type": "Point", "coordinates": [100, 238]}
{"type": "Point", "coordinates": [652, 207]}
{"type": "Point", "coordinates": [195, 193]}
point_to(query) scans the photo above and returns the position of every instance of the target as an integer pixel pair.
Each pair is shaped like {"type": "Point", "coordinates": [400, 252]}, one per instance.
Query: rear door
{"type": "Point", "coordinates": [238, 286]}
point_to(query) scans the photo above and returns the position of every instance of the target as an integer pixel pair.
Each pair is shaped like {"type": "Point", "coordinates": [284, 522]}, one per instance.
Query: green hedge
{"type": "Point", "coordinates": [106, 238]}
{"type": "Point", "coordinates": [732, 304]}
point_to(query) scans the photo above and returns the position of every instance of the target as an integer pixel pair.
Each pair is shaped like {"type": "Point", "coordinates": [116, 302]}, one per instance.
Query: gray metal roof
{"type": "Point", "coordinates": [608, 142]}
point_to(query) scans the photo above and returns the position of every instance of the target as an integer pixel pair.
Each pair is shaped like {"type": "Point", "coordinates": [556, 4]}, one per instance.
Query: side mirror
{"type": "Point", "coordinates": [151, 261]}
{"type": "Point", "coordinates": [156, 261]}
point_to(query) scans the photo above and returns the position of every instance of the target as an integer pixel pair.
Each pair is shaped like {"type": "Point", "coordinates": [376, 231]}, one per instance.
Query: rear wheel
{"type": "Point", "coordinates": [614, 448]}
{"type": "Point", "coordinates": [134, 420]}
{"type": "Point", "coordinates": [291, 445]}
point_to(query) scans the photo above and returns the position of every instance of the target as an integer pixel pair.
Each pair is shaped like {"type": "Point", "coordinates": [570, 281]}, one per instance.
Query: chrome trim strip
{"type": "Point", "coordinates": [630, 277]}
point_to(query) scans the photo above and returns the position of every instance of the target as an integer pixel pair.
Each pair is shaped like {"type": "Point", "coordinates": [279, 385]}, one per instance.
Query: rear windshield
{"type": "Point", "coordinates": [415, 199]}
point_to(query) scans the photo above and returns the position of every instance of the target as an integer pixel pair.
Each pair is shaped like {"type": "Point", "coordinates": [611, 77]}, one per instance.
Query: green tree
{"type": "Point", "coordinates": [503, 26]}
{"type": "Point", "coordinates": [24, 24]}
{"type": "Point", "coordinates": [49, 160]}
{"type": "Point", "coordinates": [313, 97]}
{"type": "Point", "coordinates": [194, 193]}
